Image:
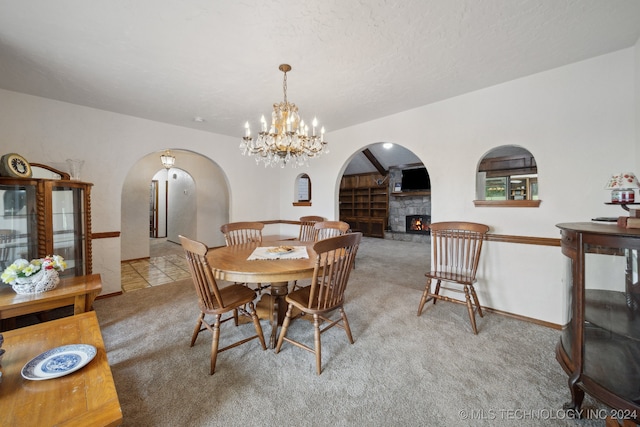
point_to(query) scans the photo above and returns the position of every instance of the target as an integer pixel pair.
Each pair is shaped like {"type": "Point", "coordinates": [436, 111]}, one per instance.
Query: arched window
{"type": "Point", "coordinates": [507, 176]}
{"type": "Point", "coordinates": [302, 190]}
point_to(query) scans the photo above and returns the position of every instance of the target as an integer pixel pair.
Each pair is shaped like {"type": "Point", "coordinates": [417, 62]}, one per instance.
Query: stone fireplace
{"type": "Point", "coordinates": [417, 224]}
{"type": "Point", "coordinates": [404, 205]}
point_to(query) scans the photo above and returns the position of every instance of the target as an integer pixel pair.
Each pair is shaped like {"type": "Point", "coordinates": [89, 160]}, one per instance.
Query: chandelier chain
{"type": "Point", "coordinates": [284, 88]}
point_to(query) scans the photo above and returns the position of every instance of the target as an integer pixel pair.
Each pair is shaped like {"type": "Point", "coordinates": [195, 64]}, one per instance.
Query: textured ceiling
{"type": "Point", "coordinates": [353, 61]}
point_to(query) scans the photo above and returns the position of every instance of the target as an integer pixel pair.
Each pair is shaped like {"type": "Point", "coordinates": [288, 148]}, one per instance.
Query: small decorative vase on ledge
{"type": "Point", "coordinates": [44, 280]}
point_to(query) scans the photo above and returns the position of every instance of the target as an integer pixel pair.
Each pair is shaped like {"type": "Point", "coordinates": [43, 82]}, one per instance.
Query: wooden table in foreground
{"type": "Point", "coordinates": [79, 291]}
{"type": "Point", "coordinates": [230, 263]}
{"type": "Point", "coordinates": [83, 398]}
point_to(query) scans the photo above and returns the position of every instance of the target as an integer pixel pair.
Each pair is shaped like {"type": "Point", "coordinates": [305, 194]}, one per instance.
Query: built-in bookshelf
{"type": "Point", "coordinates": [364, 203]}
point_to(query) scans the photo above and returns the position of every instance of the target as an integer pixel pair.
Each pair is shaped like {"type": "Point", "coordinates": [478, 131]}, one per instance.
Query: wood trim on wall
{"type": "Point", "coordinates": [280, 221]}
{"type": "Point", "coordinates": [105, 235]}
{"type": "Point", "coordinates": [527, 240]}
{"type": "Point", "coordinates": [523, 318]}
{"type": "Point", "coordinates": [507, 203]}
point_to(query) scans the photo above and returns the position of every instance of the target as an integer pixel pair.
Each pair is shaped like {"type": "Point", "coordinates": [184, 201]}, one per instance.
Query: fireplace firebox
{"type": "Point", "coordinates": [418, 224]}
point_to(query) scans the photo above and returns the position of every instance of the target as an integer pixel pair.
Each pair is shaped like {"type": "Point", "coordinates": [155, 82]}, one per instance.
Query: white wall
{"type": "Point", "coordinates": [183, 205]}
{"type": "Point", "coordinates": [46, 131]}
{"type": "Point", "coordinates": [579, 121]}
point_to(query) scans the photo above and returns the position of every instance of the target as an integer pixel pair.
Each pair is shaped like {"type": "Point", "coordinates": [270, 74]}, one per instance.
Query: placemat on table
{"type": "Point", "coordinates": [262, 252]}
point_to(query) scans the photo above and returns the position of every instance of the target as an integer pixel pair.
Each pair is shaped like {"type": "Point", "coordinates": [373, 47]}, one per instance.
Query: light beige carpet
{"type": "Point", "coordinates": [403, 370]}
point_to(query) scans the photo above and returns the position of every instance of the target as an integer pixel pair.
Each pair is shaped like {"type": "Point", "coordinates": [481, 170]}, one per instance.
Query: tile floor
{"type": "Point", "coordinates": [166, 264]}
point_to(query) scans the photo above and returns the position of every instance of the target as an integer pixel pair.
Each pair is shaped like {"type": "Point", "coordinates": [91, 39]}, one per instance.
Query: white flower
{"type": "Point", "coordinates": [23, 268]}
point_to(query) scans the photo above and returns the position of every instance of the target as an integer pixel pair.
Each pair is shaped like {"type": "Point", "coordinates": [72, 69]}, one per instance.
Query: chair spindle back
{"type": "Point", "coordinates": [335, 260]}
{"type": "Point", "coordinates": [6, 237]}
{"type": "Point", "coordinates": [307, 232]}
{"type": "Point", "coordinates": [209, 296]}
{"type": "Point", "coordinates": [328, 229]}
{"type": "Point", "coordinates": [456, 249]}
{"type": "Point", "coordinates": [238, 233]}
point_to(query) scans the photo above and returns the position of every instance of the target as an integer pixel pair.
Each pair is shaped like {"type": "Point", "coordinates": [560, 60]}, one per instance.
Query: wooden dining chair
{"type": "Point", "coordinates": [307, 231]}
{"type": "Point", "coordinates": [6, 237]}
{"type": "Point", "coordinates": [455, 248]}
{"type": "Point", "coordinates": [237, 233]}
{"type": "Point", "coordinates": [326, 229]}
{"type": "Point", "coordinates": [333, 264]}
{"type": "Point", "coordinates": [216, 301]}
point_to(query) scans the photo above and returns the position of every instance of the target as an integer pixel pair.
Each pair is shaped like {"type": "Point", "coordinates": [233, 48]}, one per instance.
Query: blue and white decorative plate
{"type": "Point", "coordinates": [58, 362]}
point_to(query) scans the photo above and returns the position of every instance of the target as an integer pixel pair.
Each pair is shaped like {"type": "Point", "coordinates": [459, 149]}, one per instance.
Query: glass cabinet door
{"type": "Point", "coordinates": [612, 319]}
{"type": "Point", "coordinates": [68, 226]}
{"type": "Point", "coordinates": [18, 222]}
{"type": "Point", "coordinates": [40, 217]}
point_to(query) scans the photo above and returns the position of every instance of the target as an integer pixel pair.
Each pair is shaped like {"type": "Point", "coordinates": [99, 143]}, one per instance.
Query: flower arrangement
{"type": "Point", "coordinates": [21, 268]}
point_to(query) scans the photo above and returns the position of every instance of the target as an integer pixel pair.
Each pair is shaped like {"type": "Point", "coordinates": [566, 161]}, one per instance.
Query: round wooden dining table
{"type": "Point", "coordinates": [231, 263]}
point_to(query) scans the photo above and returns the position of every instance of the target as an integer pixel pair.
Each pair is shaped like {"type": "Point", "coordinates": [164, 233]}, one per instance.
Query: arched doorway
{"type": "Point", "coordinates": [211, 195]}
{"type": "Point", "coordinates": [378, 197]}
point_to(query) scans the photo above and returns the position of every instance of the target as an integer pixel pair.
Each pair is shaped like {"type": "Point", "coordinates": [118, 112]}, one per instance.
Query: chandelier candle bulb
{"type": "Point", "coordinates": [247, 131]}
{"type": "Point", "coordinates": [264, 123]}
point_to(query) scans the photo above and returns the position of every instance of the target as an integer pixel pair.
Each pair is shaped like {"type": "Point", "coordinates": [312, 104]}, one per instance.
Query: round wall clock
{"type": "Point", "coordinates": [15, 166]}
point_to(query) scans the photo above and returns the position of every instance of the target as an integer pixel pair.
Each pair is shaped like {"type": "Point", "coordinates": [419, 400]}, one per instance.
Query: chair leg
{"type": "Point", "coordinates": [437, 290]}
{"type": "Point", "coordinates": [256, 324]}
{"type": "Point", "coordinates": [345, 323]}
{"type": "Point", "coordinates": [285, 326]}
{"type": "Point", "coordinates": [316, 342]}
{"type": "Point", "coordinates": [425, 295]}
{"type": "Point", "coordinates": [214, 344]}
{"type": "Point", "coordinates": [475, 299]}
{"type": "Point", "coordinates": [197, 329]}
{"type": "Point", "coordinates": [472, 316]}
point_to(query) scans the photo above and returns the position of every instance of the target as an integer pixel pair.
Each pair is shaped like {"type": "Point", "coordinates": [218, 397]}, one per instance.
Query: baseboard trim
{"type": "Point", "coordinates": [113, 294]}
{"type": "Point", "coordinates": [523, 318]}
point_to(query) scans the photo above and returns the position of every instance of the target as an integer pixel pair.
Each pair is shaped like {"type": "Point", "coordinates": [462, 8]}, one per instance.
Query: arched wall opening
{"type": "Point", "coordinates": [377, 197]}
{"type": "Point", "coordinates": [210, 192]}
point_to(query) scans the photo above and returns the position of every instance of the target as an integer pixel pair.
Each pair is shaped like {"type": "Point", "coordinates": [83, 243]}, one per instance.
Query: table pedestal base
{"type": "Point", "coordinates": [277, 309]}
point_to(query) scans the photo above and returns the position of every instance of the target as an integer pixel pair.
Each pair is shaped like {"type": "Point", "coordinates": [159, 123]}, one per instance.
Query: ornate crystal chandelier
{"type": "Point", "coordinates": [288, 139]}
{"type": "Point", "coordinates": [167, 159]}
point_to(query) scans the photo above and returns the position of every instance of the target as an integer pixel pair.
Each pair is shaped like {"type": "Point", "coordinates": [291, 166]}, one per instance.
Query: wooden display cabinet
{"type": "Point", "coordinates": [600, 344]}
{"type": "Point", "coordinates": [47, 217]}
